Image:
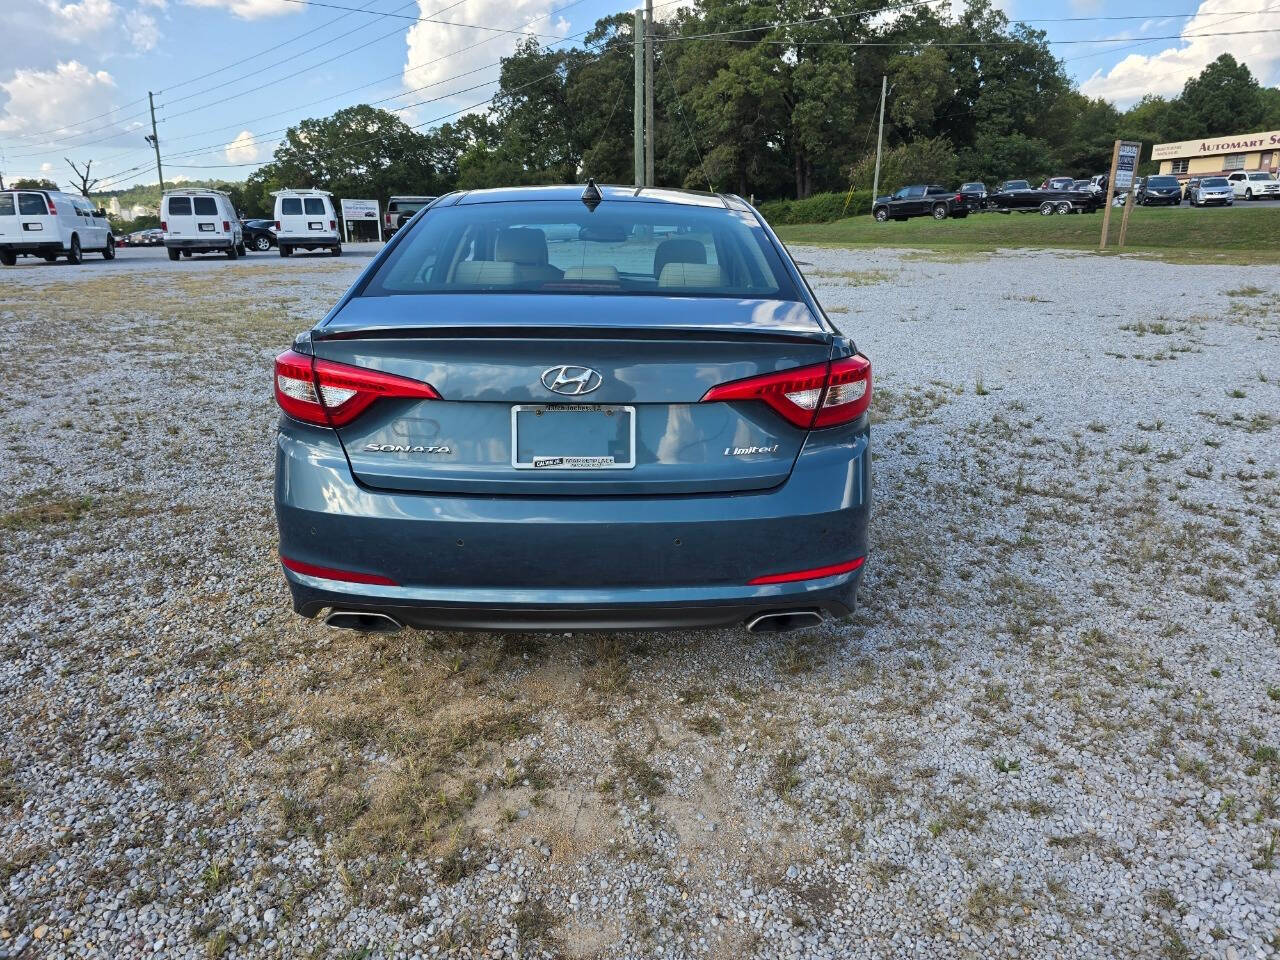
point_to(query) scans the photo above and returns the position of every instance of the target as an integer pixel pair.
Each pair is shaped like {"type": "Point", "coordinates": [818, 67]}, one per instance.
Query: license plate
{"type": "Point", "coordinates": [573, 436]}
{"type": "Point", "coordinates": [206, 228]}
{"type": "Point", "coordinates": [315, 226]}
{"type": "Point", "coordinates": [33, 226]}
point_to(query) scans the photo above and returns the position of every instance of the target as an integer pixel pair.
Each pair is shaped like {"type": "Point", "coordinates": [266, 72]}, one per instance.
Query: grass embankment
{"type": "Point", "coordinates": [1236, 235]}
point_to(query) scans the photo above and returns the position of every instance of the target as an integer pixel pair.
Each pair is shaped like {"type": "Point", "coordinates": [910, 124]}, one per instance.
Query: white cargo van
{"type": "Point", "coordinates": [200, 221]}
{"type": "Point", "coordinates": [51, 224]}
{"type": "Point", "coordinates": [305, 221]}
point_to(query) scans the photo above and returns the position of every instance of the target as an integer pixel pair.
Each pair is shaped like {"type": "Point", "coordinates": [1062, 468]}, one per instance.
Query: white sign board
{"type": "Point", "coordinates": [365, 210]}
{"type": "Point", "coordinates": [1126, 163]}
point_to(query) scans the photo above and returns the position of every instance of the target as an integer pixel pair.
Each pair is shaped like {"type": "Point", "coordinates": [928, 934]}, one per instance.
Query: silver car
{"type": "Point", "coordinates": [1210, 191]}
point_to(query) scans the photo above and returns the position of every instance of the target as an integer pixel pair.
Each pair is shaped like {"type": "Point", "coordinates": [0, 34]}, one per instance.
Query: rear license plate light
{"type": "Point", "coordinates": [573, 436]}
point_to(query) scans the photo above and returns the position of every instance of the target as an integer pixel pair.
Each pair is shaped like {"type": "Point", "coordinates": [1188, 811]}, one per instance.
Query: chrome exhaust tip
{"type": "Point", "coordinates": [783, 621]}
{"type": "Point", "coordinates": [366, 621]}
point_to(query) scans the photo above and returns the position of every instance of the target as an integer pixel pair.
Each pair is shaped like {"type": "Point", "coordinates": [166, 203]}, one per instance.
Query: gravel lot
{"type": "Point", "coordinates": [1050, 732]}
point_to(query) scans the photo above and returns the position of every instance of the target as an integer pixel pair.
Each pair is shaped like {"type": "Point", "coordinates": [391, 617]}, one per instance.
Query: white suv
{"type": "Point", "coordinates": [200, 221]}
{"type": "Point", "coordinates": [52, 224]}
{"type": "Point", "coordinates": [305, 221]}
{"type": "Point", "coordinates": [1254, 185]}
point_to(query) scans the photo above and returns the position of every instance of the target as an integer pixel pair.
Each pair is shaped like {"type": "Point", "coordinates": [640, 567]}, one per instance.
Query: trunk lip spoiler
{"type": "Point", "coordinates": [532, 332]}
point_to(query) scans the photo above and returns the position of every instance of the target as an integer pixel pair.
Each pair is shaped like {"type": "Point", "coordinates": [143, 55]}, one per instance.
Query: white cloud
{"type": "Point", "coordinates": [40, 100]}
{"type": "Point", "coordinates": [144, 32]}
{"type": "Point", "coordinates": [428, 42]}
{"type": "Point", "coordinates": [158, 4]}
{"type": "Point", "coordinates": [82, 20]}
{"type": "Point", "coordinates": [242, 149]}
{"type": "Point", "coordinates": [46, 167]}
{"type": "Point", "coordinates": [249, 9]}
{"type": "Point", "coordinates": [1165, 72]}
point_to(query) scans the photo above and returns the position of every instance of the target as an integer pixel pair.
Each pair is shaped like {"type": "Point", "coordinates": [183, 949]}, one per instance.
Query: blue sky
{"type": "Point", "coordinates": [76, 86]}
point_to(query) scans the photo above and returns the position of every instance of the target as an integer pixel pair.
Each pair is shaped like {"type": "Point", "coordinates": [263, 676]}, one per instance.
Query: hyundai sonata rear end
{"type": "Point", "coordinates": [545, 408]}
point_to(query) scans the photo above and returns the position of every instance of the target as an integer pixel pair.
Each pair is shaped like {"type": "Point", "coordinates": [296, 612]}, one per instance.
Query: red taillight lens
{"type": "Point", "coordinates": [821, 395]}
{"type": "Point", "coordinates": [226, 227]}
{"type": "Point", "coordinates": [333, 224]}
{"type": "Point", "coordinates": [277, 226]}
{"type": "Point", "coordinates": [388, 219]}
{"type": "Point", "coordinates": [333, 394]}
{"type": "Point", "coordinates": [329, 573]}
{"type": "Point", "coordinates": [53, 210]}
{"type": "Point", "coordinates": [164, 226]}
{"type": "Point", "coordinates": [959, 198]}
{"type": "Point", "coordinates": [816, 573]}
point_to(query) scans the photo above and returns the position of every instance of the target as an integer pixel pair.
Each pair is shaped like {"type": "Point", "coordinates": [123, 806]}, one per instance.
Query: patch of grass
{"type": "Point", "coordinates": [10, 793]}
{"type": "Point", "coordinates": [44, 508]}
{"type": "Point", "coordinates": [707, 725]}
{"type": "Point", "coordinates": [533, 921]}
{"type": "Point", "coordinates": [1006, 765]}
{"type": "Point", "coordinates": [635, 771]}
{"type": "Point", "coordinates": [988, 901]}
{"type": "Point", "coordinates": [1249, 290]}
{"type": "Point", "coordinates": [784, 772]}
{"type": "Point", "coordinates": [215, 876]}
{"type": "Point", "coordinates": [1234, 236]}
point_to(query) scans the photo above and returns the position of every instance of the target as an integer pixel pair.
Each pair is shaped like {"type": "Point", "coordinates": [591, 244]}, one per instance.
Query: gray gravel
{"type": "Point", "coordinates": [1050, 732]}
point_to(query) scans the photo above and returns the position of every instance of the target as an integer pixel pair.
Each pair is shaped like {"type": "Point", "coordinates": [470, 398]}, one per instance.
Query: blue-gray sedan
{"type": "Point", "coordinates": [558, 408]}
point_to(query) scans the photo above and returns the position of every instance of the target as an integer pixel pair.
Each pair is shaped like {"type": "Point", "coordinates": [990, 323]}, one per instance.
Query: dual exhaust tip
{"type": "Point", "coordinates": [368, 621]}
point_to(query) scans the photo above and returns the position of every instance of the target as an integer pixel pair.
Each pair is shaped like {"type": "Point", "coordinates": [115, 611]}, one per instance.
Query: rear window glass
{"type": "Point", "coordinates": [290, 206]}
{"type": "Point", "coordinates": [179, 206]}
{"type": "Point", "coordinates": [32, 205]}
{"type": "Point", "coordinates": [7, 208]}
{"type": "Point", "coordinates": [205, 206]}
{"type": "Point", "coordinates": [314, 206]}
{"type": "Point", "coordinates": [560, 246]}
{"type": "Point", "coordinates": [406, 206]}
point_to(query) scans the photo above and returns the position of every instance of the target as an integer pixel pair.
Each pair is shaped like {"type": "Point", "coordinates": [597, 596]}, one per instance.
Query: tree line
{"type": "Point", "coordinates": [768, 111]}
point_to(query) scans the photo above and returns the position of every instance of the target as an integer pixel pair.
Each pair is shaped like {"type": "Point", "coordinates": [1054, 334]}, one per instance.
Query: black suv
{"type": "Point", "coordinates": [1160, 189]}
{"type": "Point", "coordinates": [924, 200]}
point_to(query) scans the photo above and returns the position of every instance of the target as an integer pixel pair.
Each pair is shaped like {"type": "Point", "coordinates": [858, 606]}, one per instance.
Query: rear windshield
{"type": "Point", "coordinates": [179, 206]}
{"type": "Point", "coordinates": [406, 206]}
{"type": "Point", "coordinates": [559, 246]}
{"type": "Point", "coordinates": [1163, 182]}
{"type": "Point", "coordinates": [205, 206]}
{"type": "Point", "coordinates": [313, 206]}
{"type": "Point", "coordinates": [291, 206]}
{"type": "Point", "coordinates": [32, 205]}
{"type": "Point", "coordinates": [7, 208]}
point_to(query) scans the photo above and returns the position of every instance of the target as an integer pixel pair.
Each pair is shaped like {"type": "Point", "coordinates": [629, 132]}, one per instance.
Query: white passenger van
{"type": "Point", "coordinates": [200, 221]}
{"type": "Point", "coordinates": [52, 224]}
{"type": "Point", "coordinates": [305, 221]}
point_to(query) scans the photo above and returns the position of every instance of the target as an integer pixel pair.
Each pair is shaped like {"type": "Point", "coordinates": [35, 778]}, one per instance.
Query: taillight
{"type": "Point", "coordinates": [821, 395]}
{"type": "Point", "coordinates": [331, 573]}
{"type": "Point", "coordinates": [226, 227]}
{"type": "Point", "coordinates": [164, 226]}
{"type": "Point", "coordinates": [277, 226]}
{"type": "Point", "coordinates": [813, 573]}
{"type": "Point", "coordinates": [53, 210]}
{"type": "Point", "coordinates": [333, 394]}
{"type": "Point", "coordinates": [333, 225]}
{"type": "Point", "coordinates": [388, 219]}
{"type": "Point", "coordinates": [959, 198]}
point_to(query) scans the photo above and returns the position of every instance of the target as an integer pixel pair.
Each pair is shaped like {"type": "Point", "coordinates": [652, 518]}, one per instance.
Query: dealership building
{"type": "Point", "coordinates": [1220, 155]}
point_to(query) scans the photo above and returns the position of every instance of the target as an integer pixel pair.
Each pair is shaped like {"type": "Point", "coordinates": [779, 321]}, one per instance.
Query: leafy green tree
{"type": "Point", "coordinates": [1223, 99]}
{"type": "Point", "coordinates": [32, 183]}
{"type": "Point", "coordinates": [921, 161]}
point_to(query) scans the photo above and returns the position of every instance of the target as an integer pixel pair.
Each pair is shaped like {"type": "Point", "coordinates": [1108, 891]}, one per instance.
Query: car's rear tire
{"type": "Point", "coordinates": [174, 254]}
{"type": "Point", "coordinates": [109, 251]}
{"type": "Point", "coordinates": [50, 258]}
{"type": "Point", "coordinates": [8, 258]}
{"type": "Point", "coordinates": [262, 244]}
{"type": "Point", "coordinates": [1046, 209]}
{"type": "Point", "coordinates": [1248, 193]}
{"type": "Point", "coordinates": [939, 211]}
{"type": "Point", "coordinates": [1062, 207]}
{"type": "Point", "coordinates": [881, 214]}
{"type": "Point", "coordinates": [75, 254]}
{"type": "Point", "coordinates": [241, 249]}
{"type": "Point", "coordinates": [232, 252]}
{"type": "Point", "coordinates": [337, 251]}
{"type": "Point", "coordinates": [285, 251]}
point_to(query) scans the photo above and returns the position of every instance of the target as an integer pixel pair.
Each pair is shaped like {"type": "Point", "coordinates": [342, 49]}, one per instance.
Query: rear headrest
{"type": "Point", "coordinates": [522, 245]}
{"type": "Point", "coordinates": [690, 275]}
{"type": "Point", "coordinates": [606, 273]}
{"type": "Point", "coordinates": [678, 250]}
{"type": "Point", "coordinates": [489, 273]}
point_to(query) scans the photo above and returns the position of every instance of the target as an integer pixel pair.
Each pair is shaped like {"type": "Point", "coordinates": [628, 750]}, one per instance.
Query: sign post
{"type": "Point", "coordinates": [1124, 161]}
{"type": "Point", "coordinates": [360, 210]}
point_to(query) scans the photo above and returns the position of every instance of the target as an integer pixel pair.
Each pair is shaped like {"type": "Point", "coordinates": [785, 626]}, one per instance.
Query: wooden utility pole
{"type": "Point", "coordinates": [638, 116]}
{"type": "Point", "coordinates": [875, 183]}
{"type": "Point", "coordinates": [648, 94]}
{"type": "Point", "coordinates": [154, 139]}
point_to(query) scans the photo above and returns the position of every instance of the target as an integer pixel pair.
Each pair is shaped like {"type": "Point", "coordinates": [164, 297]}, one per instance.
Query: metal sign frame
{"type": "Point", "coordinates": [360, 210]}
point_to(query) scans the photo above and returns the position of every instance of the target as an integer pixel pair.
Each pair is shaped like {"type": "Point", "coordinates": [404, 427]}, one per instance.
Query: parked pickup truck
{"type": "Point", "coordinates": [925, 200]}
{"type": "Point", "coordinates": [1021, 196]}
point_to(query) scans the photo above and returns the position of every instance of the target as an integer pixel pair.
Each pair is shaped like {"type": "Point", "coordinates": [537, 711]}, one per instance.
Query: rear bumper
{"type": "Point", "coordinates": [561, 563]}
{"type": "Point", "coordinates": [309, 242]}
{"type": "Point", "coordinates": [195, 245]}
{"type": "Point", "coordinates": [43, 247]}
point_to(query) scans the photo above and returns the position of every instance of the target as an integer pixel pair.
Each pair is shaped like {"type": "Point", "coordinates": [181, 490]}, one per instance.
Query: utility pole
{"type": "Point", "coordinates": [155, 138]}
{"type": "Point", "coordinates": [648, 94]}
{"type": "Point", "coordinates": [638, 116]}
{"type": "Point", "coordinates": [875, 183]}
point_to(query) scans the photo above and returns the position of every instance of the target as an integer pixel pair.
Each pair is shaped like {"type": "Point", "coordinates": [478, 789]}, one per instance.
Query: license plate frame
{"type": "Point", "coordinates": [206, 228]}
{"type": "Point", "coordinates": [572, 462]}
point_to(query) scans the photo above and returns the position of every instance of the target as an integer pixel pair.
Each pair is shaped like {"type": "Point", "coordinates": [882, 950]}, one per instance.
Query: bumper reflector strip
{"type": "Point", "coordinates": [328, 573]}
{"type": "Point", "coordinates": [815, 574]}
